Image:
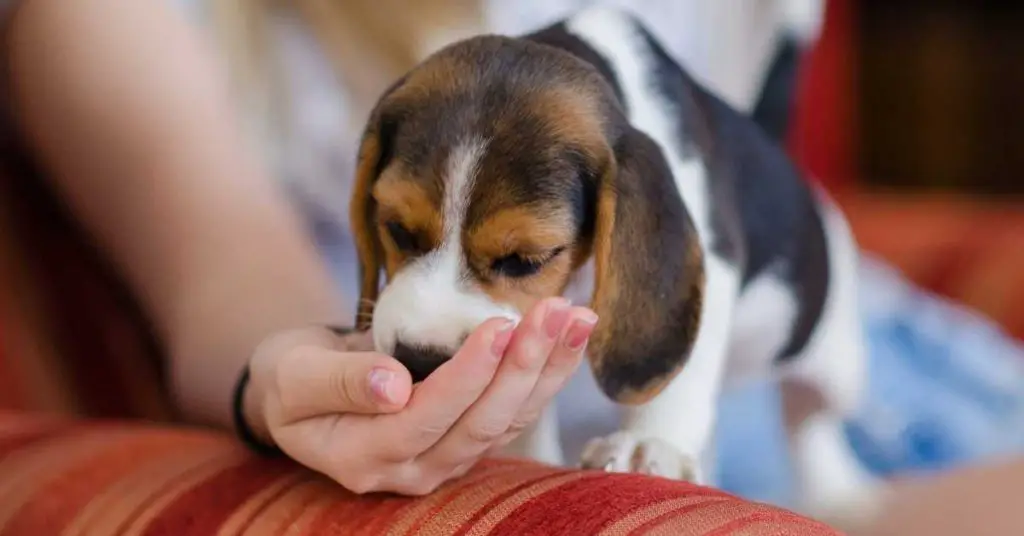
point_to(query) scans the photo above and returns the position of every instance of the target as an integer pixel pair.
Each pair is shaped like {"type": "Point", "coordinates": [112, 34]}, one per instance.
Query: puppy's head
{"type": "Point", "coordinates": [486, 177]}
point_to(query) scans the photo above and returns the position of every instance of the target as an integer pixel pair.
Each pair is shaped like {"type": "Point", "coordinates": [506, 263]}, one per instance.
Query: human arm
{"type": "Point", "coordinates": [130, 116]}
{"type": "Point", "coordinates": [133, 123]}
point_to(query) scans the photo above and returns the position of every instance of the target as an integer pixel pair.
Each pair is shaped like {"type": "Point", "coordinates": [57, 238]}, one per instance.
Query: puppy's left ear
{"type": "Point", "coordinates": [375, 152]}
{"type": "Point", "coordinates": [649, 274]}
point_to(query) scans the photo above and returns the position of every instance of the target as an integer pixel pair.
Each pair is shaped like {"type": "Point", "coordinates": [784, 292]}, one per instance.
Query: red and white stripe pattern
{"type": "Point", "coordinates": [107, 478]}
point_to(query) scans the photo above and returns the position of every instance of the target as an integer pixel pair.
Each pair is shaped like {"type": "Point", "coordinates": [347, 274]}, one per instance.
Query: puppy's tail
{"type": "Point", "coordinates": [801, 23]}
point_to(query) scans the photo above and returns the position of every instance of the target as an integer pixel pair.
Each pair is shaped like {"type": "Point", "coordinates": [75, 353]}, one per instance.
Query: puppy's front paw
{"type": "Point", "coordinates": [622, 452]}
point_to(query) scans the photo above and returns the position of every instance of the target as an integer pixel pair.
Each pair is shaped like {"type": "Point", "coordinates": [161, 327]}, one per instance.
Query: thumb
{"type": "Point", "coordinates": [317, 381]}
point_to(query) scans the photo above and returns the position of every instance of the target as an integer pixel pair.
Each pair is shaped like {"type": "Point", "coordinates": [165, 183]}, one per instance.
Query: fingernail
{"type": "Point", "coordinates": [502, 337]}
{"type": "Point", "coordinates": [380, 384]}
{"type": "Point", "coordinates": [579, 332]}
{"type": "Point", "coordinates": [557, 316]}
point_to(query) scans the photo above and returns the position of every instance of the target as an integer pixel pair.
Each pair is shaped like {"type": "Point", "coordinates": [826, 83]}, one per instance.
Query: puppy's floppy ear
{"type": "Point", "coordinates": [375, 152]}
{"type": "Point", "coordinates": [649, 274]}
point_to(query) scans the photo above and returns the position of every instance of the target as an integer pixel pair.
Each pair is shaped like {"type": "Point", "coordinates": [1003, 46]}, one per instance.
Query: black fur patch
{"type": "Point", "coordinates": [764, 214]}
{"type": "Point", "coordinates": [558, 36]}
{"type": "Point", "coordinates": [778, 215]}
{"type": "Point", "coordinates": [774, 108]}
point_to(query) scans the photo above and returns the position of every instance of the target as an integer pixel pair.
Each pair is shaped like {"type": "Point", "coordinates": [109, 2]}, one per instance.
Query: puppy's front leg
{"type": "Point", "coordinates": [668, 436]}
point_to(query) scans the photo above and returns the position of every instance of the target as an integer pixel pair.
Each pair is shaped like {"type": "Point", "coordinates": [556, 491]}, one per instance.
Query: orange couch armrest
{"type": "Point", "coordinates": [968, 250]}
{"type": "Point", "coordinates": [75, 477]}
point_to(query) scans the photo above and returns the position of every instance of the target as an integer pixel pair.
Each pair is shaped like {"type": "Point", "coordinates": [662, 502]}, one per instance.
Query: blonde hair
{"type": "Point", "coordinates": [369, 43]}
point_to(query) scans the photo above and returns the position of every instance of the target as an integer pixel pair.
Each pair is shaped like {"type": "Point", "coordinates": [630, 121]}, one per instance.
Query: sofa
{"type": "Point", "coordinates": [90, 444]}
{"type": "Point", "coordinates": [63, 476]}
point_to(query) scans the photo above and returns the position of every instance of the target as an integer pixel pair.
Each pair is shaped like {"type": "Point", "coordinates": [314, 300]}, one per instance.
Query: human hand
{"type": "Point", "coordinates": [356, 417]}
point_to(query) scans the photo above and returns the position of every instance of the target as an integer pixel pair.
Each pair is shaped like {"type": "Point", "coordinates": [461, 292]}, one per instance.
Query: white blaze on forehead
{"type": "Point", "coordinates": [461, 171]}
{"type": "Point", "coordinates": [430, 302]}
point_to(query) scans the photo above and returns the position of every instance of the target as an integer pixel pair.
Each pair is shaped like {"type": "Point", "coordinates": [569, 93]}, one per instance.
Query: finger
{"type": "Point", "coordinates": [562, 364]}
{"type": "Point", "coordinates": [489, 419]}
{"type": "Point", "coordinates": [444, 396]}
{"type": "Point", "coordinates": [312, 381]}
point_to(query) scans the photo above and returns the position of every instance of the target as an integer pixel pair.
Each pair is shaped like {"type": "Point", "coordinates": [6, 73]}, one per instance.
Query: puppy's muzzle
{"type": "Point", "coordinates": [420, 360]}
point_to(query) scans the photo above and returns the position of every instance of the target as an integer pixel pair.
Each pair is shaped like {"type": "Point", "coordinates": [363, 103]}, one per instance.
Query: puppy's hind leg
{"type": "Point", "coordinates": [821, 388]}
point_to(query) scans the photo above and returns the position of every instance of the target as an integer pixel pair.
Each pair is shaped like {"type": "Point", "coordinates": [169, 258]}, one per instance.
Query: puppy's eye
{"type": "Point", "coordinates": [402, 237]}
{"type": "Point", "coordinates": [516, 265]}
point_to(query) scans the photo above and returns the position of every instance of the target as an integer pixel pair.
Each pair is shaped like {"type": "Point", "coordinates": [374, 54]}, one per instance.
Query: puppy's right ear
{"type": "Point", "coordinates": [375, 153]}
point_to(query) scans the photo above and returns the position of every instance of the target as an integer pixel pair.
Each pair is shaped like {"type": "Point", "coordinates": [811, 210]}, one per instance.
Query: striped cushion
{"type": "Point", "coordinates": [104, 478]}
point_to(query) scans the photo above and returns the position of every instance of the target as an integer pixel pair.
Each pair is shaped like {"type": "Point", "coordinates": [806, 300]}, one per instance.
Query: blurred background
{"type": "Point", "coordinates": [914, 111]}
{"type": "Point", "coordinates": [934, 90]}
{"type": "Point", "coordinates": [910, 114]}
{"type": "Point", "coordinates": [939, 96]}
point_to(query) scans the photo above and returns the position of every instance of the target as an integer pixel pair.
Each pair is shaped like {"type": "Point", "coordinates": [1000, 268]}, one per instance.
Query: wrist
{"type": "Point", "coordinates": [249, 416]}
{"type": "Point", "coordinates": [249, 400]}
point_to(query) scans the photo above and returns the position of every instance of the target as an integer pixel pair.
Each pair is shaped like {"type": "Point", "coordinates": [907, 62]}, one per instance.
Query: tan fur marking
{"type": "Point", "coordinates": [606, 285]}
{"type": "Point", "coordinates": [527, 232]}
{"type": "Point", "coordinates": [362, 211]}
{"type": "Point", "coordinates": [405, 201]}
{"type": "Point", "coordinates": [521, 230]}
{"type": "Point", "coordinates": [442, 75]}
{"type": "Point", "coordinates": [526, 292]}
{"type": "Point", "coordinates": [573, 114]}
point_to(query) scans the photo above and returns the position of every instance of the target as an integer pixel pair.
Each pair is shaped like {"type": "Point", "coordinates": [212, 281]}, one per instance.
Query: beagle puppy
{"type": "Point", "coordinates": [581, 160]}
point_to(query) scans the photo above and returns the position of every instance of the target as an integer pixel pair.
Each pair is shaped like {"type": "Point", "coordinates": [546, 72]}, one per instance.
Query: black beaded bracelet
{"type": "Point", "coordinates": [245, 434]}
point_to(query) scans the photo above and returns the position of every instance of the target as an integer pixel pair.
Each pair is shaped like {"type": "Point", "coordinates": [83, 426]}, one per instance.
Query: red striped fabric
{"type": "Point", "coordinates": [81, 479]}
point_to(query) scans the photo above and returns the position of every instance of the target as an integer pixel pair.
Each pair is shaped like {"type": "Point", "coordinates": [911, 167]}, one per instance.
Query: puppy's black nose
{"type": "Point", "coordinates": [420, 360]}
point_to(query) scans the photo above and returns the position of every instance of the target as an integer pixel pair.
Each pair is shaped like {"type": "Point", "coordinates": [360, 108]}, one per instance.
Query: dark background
{"type": "Point", "coordinates": [940, 96]}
